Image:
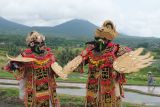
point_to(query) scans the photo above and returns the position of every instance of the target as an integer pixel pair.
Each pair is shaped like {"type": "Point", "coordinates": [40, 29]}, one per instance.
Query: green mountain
{"type": "Point", "coordinates": [12, 28]}
{"type": "Point", "coordinates": [72, 28]}
{"type": "Point", "coordinates": [75, 29]}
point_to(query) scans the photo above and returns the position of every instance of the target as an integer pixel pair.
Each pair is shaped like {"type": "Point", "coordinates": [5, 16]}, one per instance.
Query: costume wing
{"type": "Point", "coordinates": [19, 58]}
{"type": "Point", "coordinates": [58, 70]}
{"type": "Point", "coordinates": [72, 65]}
{"type": "Point", "coordinates": [132, 61]}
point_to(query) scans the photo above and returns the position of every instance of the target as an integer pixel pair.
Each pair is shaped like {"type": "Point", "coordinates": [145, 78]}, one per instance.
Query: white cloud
{"type": "Point", "coordinates": [133, 17]}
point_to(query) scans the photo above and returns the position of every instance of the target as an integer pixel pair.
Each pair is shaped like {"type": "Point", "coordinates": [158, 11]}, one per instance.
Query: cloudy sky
{"type": "Point", "coordinates": [133, 17]}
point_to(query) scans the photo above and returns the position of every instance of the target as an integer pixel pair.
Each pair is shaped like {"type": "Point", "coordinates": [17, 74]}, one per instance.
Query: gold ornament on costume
{"type": "Point", "coordinates": [97, 63]}
{"type": "Point", "coordinates": [107, 31]}
{"type": "Point", "coordinates": [132, 61]}
{"type": "Point", "coordinates": [42, 62]}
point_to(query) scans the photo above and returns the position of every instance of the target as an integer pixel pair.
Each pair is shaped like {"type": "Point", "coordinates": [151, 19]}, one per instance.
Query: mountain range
{"type": "Point", "coordinates": [72, 28]}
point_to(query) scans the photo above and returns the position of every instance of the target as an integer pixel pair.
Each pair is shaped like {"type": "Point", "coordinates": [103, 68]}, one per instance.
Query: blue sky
{"type": "Point", "coordinates": [132, 17]}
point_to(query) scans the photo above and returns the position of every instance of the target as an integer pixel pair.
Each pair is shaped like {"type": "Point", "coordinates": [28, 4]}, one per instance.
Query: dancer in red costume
{"type": "Point", "coordinates": [36, 69]}
{"type": "Point", "coordinates": [107, 62]}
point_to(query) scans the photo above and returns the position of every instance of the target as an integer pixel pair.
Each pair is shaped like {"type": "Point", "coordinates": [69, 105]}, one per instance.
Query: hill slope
{"type": "Point", "coordinates": [9, 27]}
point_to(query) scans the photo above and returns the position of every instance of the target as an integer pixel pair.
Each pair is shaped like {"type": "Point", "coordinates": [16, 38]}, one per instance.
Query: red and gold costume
{"type": "Point", "coordinates": [107, 65]}
{"type": "Point", "coordinates": [36, 73]}
{"type": "Point", "coordinates": [103, 80]}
